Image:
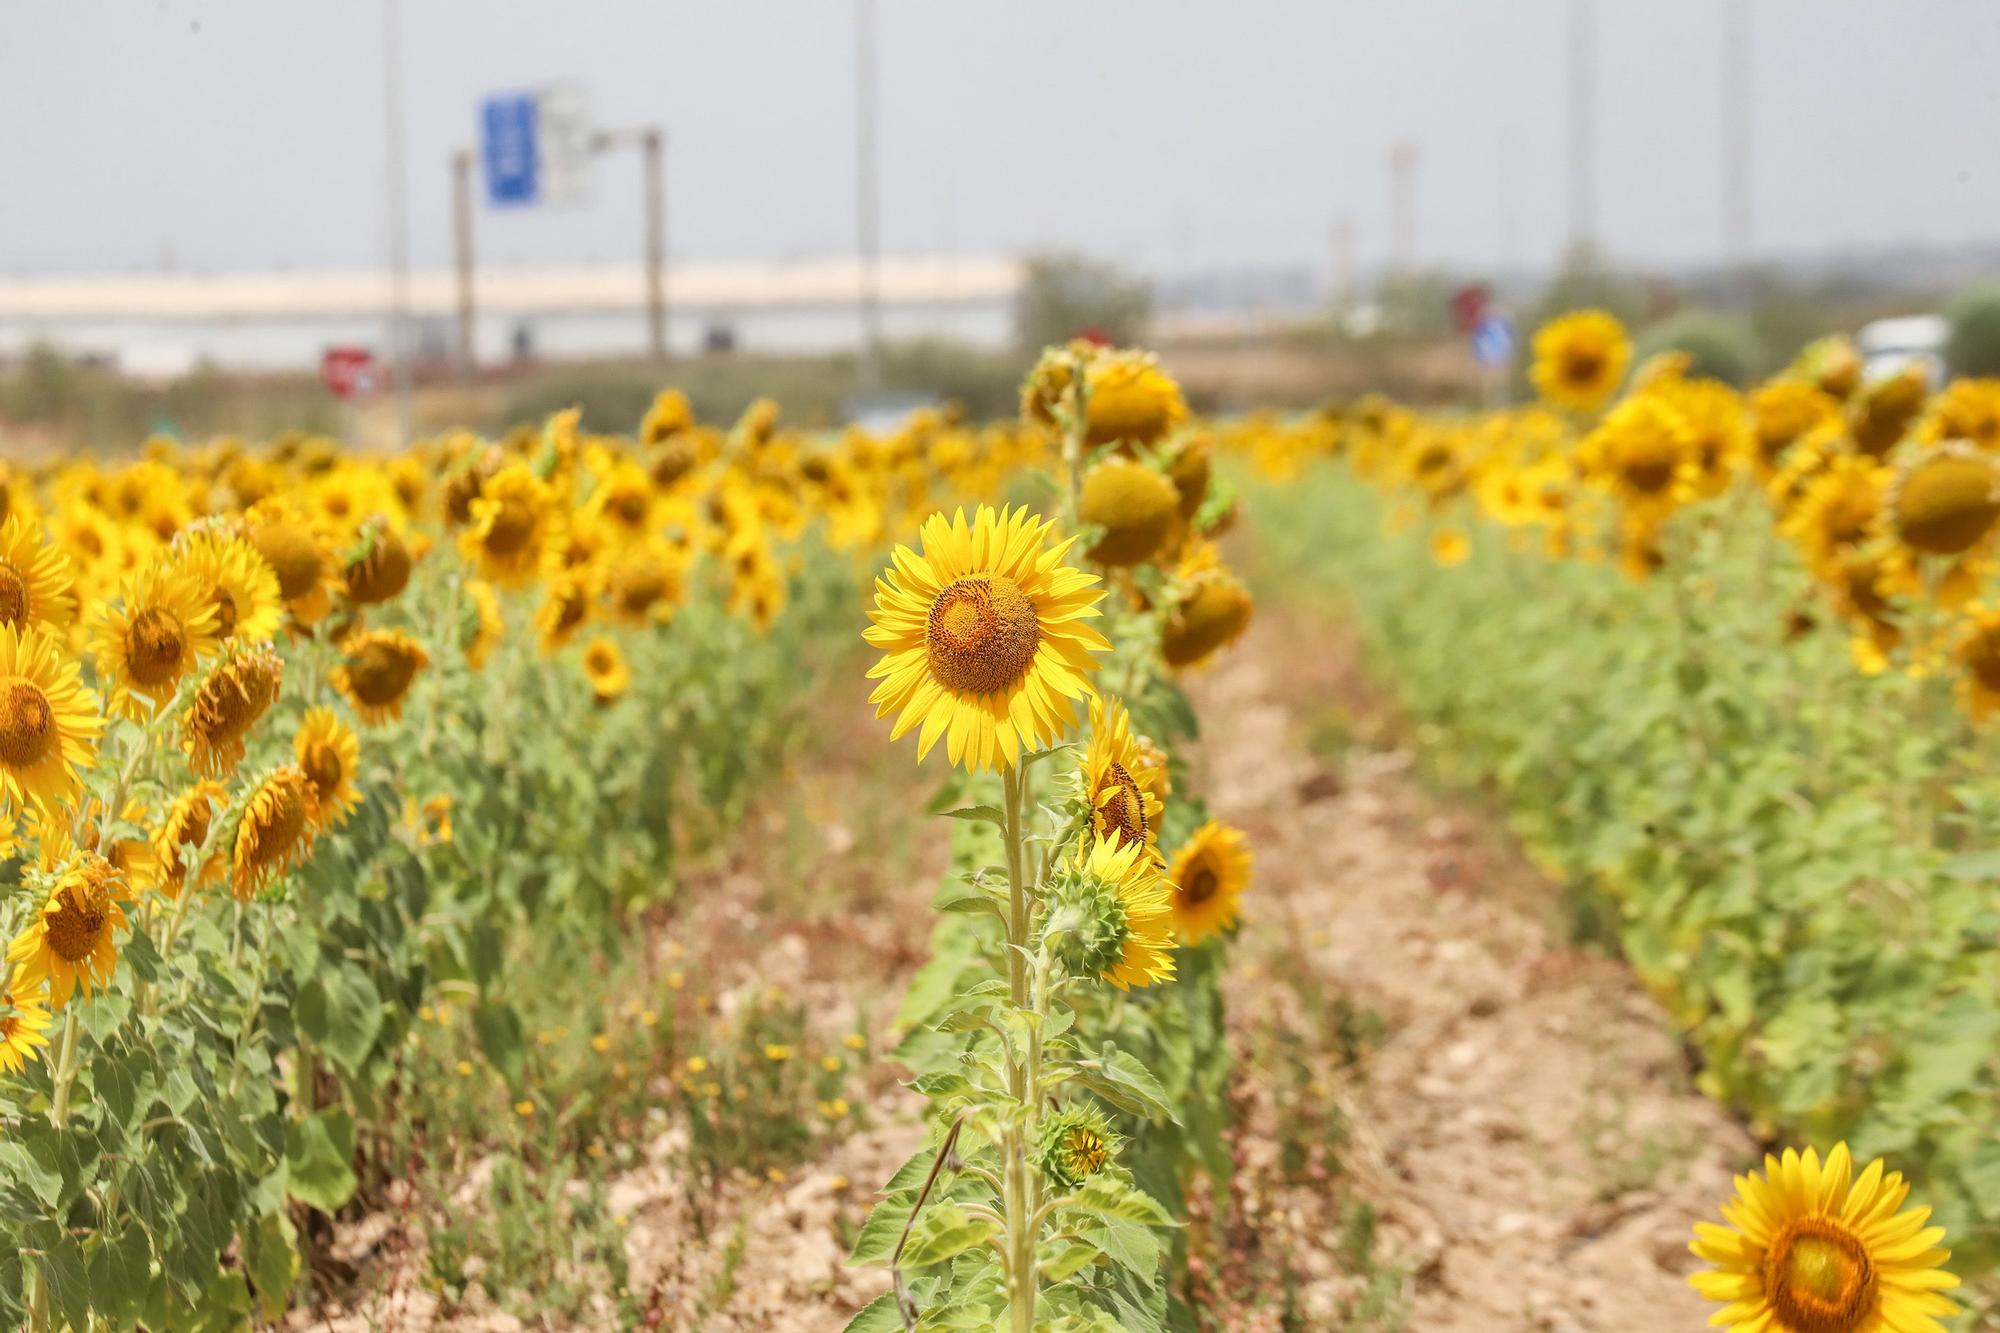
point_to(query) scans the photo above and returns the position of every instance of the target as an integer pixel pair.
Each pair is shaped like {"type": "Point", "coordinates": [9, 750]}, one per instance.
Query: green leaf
{"type": "Point", "coordinates": [1972, 865]}
{"type": "Point", "coordinates": [1128, 1085]}
{"type": "Point", "coordinates": [944, 1230]}
{"type": "Point", "coordinates": [500, 1036]}
{"type": "Point", "coordinates": [1105, 1195]}
{"type": "Point", "coordinates": [979, 814]}
{"type": "Point", "coordinates": [878, 1316]}
{"type": "Point", "coordinates": [272, 1260]}
{"type": "Point", "coordinates": [879, 1234]}
{"type": "Point", "coordinates": [319, 1159]}
{"type": "Point", "coordinates": [1129, 1243]}
{"type": "Point", "coordinates": [486, 947]}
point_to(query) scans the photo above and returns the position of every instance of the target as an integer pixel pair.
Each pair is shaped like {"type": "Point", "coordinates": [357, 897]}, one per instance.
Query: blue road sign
{"type": "Point", "coordinates": [1493, 340]}
{"type": "Point", "coordinates": [508, 134]}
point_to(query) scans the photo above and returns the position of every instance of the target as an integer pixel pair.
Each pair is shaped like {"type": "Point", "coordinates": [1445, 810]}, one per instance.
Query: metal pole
{"type": "Point", "coordinates": [651, 144]}
{"type": "Point", "coordinates": [1736, 180]}
{"type": "Point", "coordinates": [399, 221]}
{"type": "Point", "coordinates": [1582, 130]}
{"type": "Point", "coordinates": [866, 204]}
{"type": "Point", "coordinates": [1403, 206]}
{"type": "Point", "coordinates": [1343, 266]}
{"type": "Point", "coordinates": [461, 235]}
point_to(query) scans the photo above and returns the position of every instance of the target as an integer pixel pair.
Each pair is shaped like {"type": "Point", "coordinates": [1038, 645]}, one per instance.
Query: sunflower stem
{"type": "Point", "coordinates": [65, 1065]}
{"type": "Point", "coordinates": [1022, 1079]}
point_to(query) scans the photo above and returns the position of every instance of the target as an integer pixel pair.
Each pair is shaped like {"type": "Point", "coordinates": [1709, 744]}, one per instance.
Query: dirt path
{"type": "Point", "coordinates": [1525, 1131]}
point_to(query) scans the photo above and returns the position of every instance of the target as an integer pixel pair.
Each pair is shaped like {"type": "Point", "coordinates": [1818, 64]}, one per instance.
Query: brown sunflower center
{"type": "Point", "coordinates": [194, 824]}
{"type": "Point", "coordinates": [83, 909]}
{"type": "Point", "coordinates": [512, 525]}
{"type": "Point", "coordinates": [1983, 658]}
{"type": "Point", "coordinates": [13, 595]}
{"type": "Point", "coordinates": [982, 635]}
{"type": "Point", "coordinates": [27, 724]}
{"type": "Point", "coordinates": [381, 672]}
{"type": "Point", "coordinates": [293, 556]}
{"type": "Point", "coordinates": [630, 506]}
{"type": "Point", "coordinates": [323, 768]}
{"type": "Point", "coordinates": [1649, 465]}
{"type": "Point", "coordinates": [1120, 808]}
{"type": "Point", "coordinates": [1582, 365]}
{"type": "Point", "coordinates": [226, 614]}
{"type": "Point", "coordinates": [1948, 504]}
{"type": "Point", "coordinates": [1200, 887]}
{"type": "Point", "coordinates": [276, 826]}
{"type": "Point", "coordinates": [155, 644]}
{"type": "Point", "coordinates": [1819, 1277]}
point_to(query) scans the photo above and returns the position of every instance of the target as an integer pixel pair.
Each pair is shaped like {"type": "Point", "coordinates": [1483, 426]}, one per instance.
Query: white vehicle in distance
{"type": "Point", "coordinates": [1888, 345]}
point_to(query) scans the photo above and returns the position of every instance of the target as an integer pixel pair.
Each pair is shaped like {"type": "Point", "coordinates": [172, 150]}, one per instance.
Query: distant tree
{"type": "Point", "coordinates": [1972, 347]}
{"type": "Point", "coordinates": [1064, 295]}
{"type": "Point", "coordinates": [1719, 347]}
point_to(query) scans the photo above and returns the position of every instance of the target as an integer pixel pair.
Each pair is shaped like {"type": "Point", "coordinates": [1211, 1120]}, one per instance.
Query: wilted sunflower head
{"type": "Point", "coordinates": [1051, 380]}
{"type": "Point", "coordinates": [1580, 359]}
{"type": "Point", "coordinates": [296, 551]}
{"type": "Point", "coordinates": [376, 671]}
{"type": "Point", "coordinates": [1886, 409]}
{"type": "Point", "coordinates": [1131, 399]}
{"type": "Point", "coordinates": [1135, 506]}
{"type": "Point", "coordinates": [237, 691]}
{"type": "Point", "coordinates": [378, 565]}
{"type": "Point", "coordinates": [276, 830]}
{"type": "Point", "coordinates": [1945, 499]}
{"type": "Point", "coordinates": [1210, 610]}
{"type": "Point", "coordinates": [182, 833]}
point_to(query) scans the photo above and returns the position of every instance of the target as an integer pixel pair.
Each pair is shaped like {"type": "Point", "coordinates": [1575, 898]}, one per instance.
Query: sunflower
{"type": "Point", "coordinates": [1211, 611]}
{"type": "Point", "coordinates": [378, 566]}
{"type": "Point", "coordinates": [1837, 509]}
{"type": "Point", "coordinates": [1945, 499]}
{"type": "Point", "coordinates": [1978, 655]}
{"type": "Point", "coordinates": [329, 754]}
{"type": "Point", "coordinates": [1134, 505]}
{"type": "Point", "coordinates": [237, 580]}
{"type": "Point", "coordinates": [604, 667]}
{"type": "Point", "coordinates": [669, 415]}
{"type": "Point", "coordinates": [24, 1024]}
{"type": "Point", "coordinates": [510, 521]}
{"type": "Point", "coordinates": [1968, 409]}
{"type": "Point", "coordinates": [1209, 874]}
{"type": "Point", "coordinates": [237, 691]}
{"type": "Point", "coordinates": [72, 941]}
{"type": "Point", "coordinates": [1885, 410]}
{"type": "Point", "coordinates": [1579, 359]}
{"type": "Point", "coordinates": [642, 583]}
{"type": "Point", "coordinates": [565, 608]}
{"type": "Point", "coordinates": [276, 831]}
{"type": "Point", "coordinates": [1130, 876]}
{"type": "Point", "coordinates": [984, 637]}
{"type": "Point", "coordinates": [1782, 412]}
{"type": "Point", "coordinates": [1132, 400]}
{"type": "Point", "coordinates": [1189, 469]}
{"type": "Point", "coordinates": [49, 723]}
{"type": "Point", "coordinates": [1810, 1248]}
{"type": "Point", "coordinates": [183, 833]}
{"type": "Point", "coordinates": [297, 552]}
{"type": "Point", "coordinates": [376, 671]}
{"type": "Point", "coordinates": [482, 625]}
{"type": "Point", "coordinates": [1450, 547]}
{"type": "Point", "coordinates": [146, 645]}
{"type": "Point", "coordinates": [36, 586]}
{"type": "Point", "coordinates": [1718, 431]}
{"type": "Point", "coordinates": [1123, 807]}
{"type": "Point", "coordinates": [1644, 453]}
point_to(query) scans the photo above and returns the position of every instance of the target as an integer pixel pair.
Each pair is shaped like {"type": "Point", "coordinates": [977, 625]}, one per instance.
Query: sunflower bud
{"type": "Point", "coordinates": [1075, 1145]}
{"type": "Point", "coordinates": [1084, 922]}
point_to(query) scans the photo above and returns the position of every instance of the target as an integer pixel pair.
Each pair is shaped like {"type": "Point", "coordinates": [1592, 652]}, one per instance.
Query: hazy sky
{"type": "Point", "coordinates": [249, 133]}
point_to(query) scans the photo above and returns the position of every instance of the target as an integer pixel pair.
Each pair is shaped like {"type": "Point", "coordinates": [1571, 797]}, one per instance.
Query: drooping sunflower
{"type": "Point", "coordinates": [1210, 612]}
{"type": "Point", "coordinates": [1135, 506]}
{"type": "Point", "coordinates": [1885, 410]}
{"type": "Point", "coordinates": [299, 555]}
{"type": "Point", "coordinates": [1123, 808]}
{"type": "Point", "coordinates": [566, 607]}
{"type": "Point", "coordinates": [36, 585]}
{"type": "Point", "coordinates": [1968, 409]}
{"type": "Point", "coordinates": [604, 667]}
{"type": "Point", "coordinates": [985, 637]}
{"type": "Point", "coordinates": [329, 754]}
{"type": "Point", "coordinates": [1145, 900]}
{"type": "Point", "coordinates": [237, 691]}
{"type": "Point", "coordinates": [73, 940]}
{"type": "Point", "coordinates": [237, 580]}
{"type": "Point", "coordinates": [1945, 499]}
{"type": "Point", "coordinates": [276, 831]}
{"type": "Point", "coordinates": [1132, 400]}
{"type": "Point", "coordinates": [49, 723]}
{"type": "Point", "coordinates": [377, 566]}
{"type": "Point", "coordinates": [376, 670]}
{"type": "Point", "coordinates": [1579, 359]}
{"type": "Point", "coordinates": [1209, 874]}
{"type": "Point", "coordinates": [1978, 654]}
{"type": "Point", "coordinates": [1811, 1248]}
{"type": "Point", "coordinates": [510, 521]}
{"type": "Point", "coordinates": [181, 836]}
{"type": "Point", "coordinates": [149, 642]}
{"type": "Point", "coordinates": [24, 1024]}
{"type": "Point", "coordinates": [669, 415]}
{"type": "Point", "coordinates": [483, 625]}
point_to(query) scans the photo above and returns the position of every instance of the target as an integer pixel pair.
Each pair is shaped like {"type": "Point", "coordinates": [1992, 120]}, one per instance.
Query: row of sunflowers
{"type": "Point", "coordinates": [1723, 656]}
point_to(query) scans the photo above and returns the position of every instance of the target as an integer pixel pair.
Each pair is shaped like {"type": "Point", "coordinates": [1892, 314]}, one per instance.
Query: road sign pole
{"type": "Point", "coordinates": [653, 144]}
{"type": "Point", "coordinates": [461, 237]}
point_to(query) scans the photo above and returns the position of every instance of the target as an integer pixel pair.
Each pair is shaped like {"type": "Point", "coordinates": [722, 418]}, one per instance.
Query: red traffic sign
{"type": "Point", "coordinates": [351, 372]}
{"type": "Point", "coordinates": [1468, 306]}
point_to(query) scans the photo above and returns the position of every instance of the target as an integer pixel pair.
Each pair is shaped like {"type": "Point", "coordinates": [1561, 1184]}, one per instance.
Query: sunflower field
{"type": "Point", "coordinates": [357, 808]}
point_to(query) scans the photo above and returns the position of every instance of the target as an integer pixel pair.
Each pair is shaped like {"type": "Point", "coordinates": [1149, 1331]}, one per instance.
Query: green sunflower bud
{"type": "Point", "coordinates": [1084, 924]}
{"type": "Point", "coordinates": [1075, 1145]}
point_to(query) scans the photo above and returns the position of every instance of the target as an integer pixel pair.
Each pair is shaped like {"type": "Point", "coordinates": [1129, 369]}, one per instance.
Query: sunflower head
{"type": "Point", "coordinates": [1131, 399]}
{"type": "Point", "coordinates": [297, 552]}
{"type": "Point", "coordinates": [604, 667]}
{"type": "Point", "coordinates": [1885, 410]}
{"type": "Point", "coordinates": [37, 587]}
{"type": "Point", "coordinates": [1210, 611]}
{"type": "Point", "coordinates": [1134, 505]}
{"type": "Point", "coordinates": [1123, 807]}
{"type": "Point", "coordinates": [1209, 874]}
{"type": "Point", "coordinates": [1107, 915]}
{"type": "Point", "coordinates": [377, 566]}
{"type": "Point", "coordinates": [669, 415]}
{"type": "Point", "coordinates": [1075, 1144]}
{"type": "Point", "coordinates": [329, 754]}
{"type": "Point", "coordinates": [376, 671]}
{"type": "Point", "coordinates": [1945, 499]}
{"type": "Point", "coordinates": [49, 724]}
{"type": "Point", "coordinates": [1812, 1248]}
{"type": "Point", "coordinates": [24, 1024]}
{"type": "Point", "coordinates": [276, 830]}
{"type": "Point", "coordinates": [237, 581]}
{"type": "Point", "coordinates": [509, 523]}
{"type": "Point", "coordinates": [183, 833]}
{"type": "Point", "coordinates": [148, 642]}
{"type": "Point", "coordinates": [481, 623]}
{"type": "Point", "coordinates": [985, 637]}
{"type": "Point", "coordinates": [1580, 359]}
{"type": "Point", "coordinates": [237, 691]}
{"type": "Point", "coordinates": [72, 942]}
